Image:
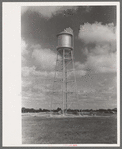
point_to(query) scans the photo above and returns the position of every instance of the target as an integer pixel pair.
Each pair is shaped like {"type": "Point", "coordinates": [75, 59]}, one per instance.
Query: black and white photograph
{"type": "Point", "coordinates": [69, 74]}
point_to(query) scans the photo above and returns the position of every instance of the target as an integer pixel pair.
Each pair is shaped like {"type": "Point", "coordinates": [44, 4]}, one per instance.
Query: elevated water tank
{"type": "Point", "coordinates": [65, 40]}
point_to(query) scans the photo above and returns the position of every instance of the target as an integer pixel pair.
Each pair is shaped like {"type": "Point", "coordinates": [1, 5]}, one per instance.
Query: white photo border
{"type": "Point", "coordinates": [11, 54]}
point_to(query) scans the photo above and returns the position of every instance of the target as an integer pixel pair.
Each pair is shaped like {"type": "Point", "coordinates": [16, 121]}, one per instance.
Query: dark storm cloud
{"type": "Point", "coordinates": [38, 30]}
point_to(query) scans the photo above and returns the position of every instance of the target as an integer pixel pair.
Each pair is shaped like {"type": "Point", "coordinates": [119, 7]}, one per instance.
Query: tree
{"type": "Point", "coordinates": [58, 109]}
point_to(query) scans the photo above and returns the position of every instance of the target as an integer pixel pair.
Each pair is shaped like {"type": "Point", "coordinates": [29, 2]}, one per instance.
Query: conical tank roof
{"type": "Point", "coordinates": [68, 31]}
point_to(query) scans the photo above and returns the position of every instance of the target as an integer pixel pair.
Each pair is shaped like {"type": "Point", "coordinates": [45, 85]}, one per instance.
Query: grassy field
{"type": "Point", "coordinates": [78, 130]}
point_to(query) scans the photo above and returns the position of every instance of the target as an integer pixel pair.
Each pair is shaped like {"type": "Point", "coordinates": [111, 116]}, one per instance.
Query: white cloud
{"type": "Point", "coordinates": [97, 33]}
{"type": "Point", "coordinates": [47, 11]}
{"type": "Point", "coordinates": [26, 71]}
{"type": "Point", "coordinates": [23, 47]}
{"type": "Point", "coordinates": [103, 49]}
{"type": "Point", "coordinates": [35, 84]}
{"type": "Point", "coordinates": [31, 71]}
{"type": "Point", "coordinates": [44, 58]}
{"type": "Point", "coordinates": [108, 86]}
{"type": "Point", "coordinates": [80, 73]}
{"type": "Point", "coordinates": [101, 63]}
{"type": "Point", "coordinates": [101, 57]}
{"type": "Point", "coordinates": [26, 83]}
{"type": "Point", "coordinates": [37, 78]}
{"type": "Point", "coordinates": [78, 66]}
{"type": "Point", "coordinates": [24, 51]}
{"type": "Point", "coordinates": [85, 91]}
{"type": "Point", "coordinates": [79, 69]}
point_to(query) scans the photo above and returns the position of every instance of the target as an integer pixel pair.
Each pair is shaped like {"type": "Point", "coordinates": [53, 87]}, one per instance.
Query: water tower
{"type": "Point", "coordinates": [64, 70]}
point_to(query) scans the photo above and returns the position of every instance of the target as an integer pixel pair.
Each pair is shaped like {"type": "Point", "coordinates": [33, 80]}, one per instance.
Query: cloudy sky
{"type": "Point", "coordinates": [94, 29]}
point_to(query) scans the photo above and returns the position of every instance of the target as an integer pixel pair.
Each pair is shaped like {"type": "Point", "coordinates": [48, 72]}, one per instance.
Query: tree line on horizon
{"type": "Point", "coordinates": [32, 110]}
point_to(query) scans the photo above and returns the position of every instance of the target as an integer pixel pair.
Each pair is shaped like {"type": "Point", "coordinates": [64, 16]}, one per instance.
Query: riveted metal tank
{"type": "Point", "coordinates": [65, 40]}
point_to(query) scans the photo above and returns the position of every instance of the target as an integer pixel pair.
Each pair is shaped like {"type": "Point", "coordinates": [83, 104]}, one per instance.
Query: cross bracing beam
{"type": "Point", "coordinates": [65, 68]}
